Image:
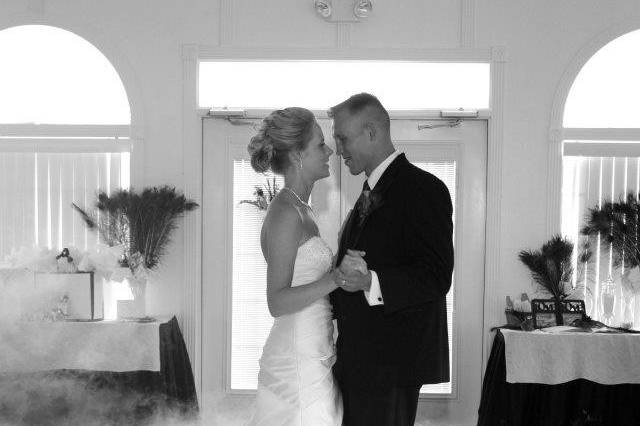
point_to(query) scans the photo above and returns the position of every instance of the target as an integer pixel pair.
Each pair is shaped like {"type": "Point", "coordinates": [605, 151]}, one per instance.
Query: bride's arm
{"type": "Point", "coordinates": [284, 230]}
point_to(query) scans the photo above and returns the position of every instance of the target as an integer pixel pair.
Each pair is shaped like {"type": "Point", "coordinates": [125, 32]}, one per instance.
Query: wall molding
{"type": "Point", "coordinates": [467, 23]}
{"type": "Point", "coordinates": [495, 151]}
{"type": "Point", "coordinates": [618, 134]}
{"type": "Point", "coordinates": [190, 317]}
{"type": "Point", "coordinates": [554, 157]}
{"type": "Point", "coordinates": [208, 52]}
{"type": "Point", "coordinates": [226, 23]}
{"type": "Point", "coordinates": [343, 34]}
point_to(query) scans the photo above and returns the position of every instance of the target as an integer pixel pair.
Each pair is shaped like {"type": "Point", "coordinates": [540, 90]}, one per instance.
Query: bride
{"type": "Point", "coordinates": [295, 383]}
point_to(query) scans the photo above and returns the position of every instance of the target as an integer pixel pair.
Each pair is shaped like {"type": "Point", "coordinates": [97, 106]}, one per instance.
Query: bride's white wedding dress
{"type": "Point", "coordinates": [295, 383]}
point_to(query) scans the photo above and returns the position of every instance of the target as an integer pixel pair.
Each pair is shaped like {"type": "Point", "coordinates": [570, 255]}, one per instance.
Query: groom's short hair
{"type": "Point", "coordinates": [359, 103]}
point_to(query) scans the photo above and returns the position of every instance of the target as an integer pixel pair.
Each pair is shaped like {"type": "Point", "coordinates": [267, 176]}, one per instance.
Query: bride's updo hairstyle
{"type": "Point", "coordinates": [282, 131]}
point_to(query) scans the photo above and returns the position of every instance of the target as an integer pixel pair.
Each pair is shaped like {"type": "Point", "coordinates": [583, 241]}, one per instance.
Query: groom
{"type": "Point", "coordinates": [396, 262]}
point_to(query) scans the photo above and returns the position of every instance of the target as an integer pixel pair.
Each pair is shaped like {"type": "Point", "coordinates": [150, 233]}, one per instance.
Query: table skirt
{"type": "Point", "coordinates": [83, 397]}
{"type": "Point", "coordinates": [578, 402]}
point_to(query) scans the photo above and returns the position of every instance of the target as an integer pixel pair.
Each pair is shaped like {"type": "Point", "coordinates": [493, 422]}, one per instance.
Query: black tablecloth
{"type": "Point", "coordinates": [81, 397]}
{"type": "Point", "coordinates": [578, 402]}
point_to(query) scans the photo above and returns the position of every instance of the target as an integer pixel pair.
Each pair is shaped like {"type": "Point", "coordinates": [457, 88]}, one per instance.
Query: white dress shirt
{"type": "Point", "coordinates": [374, 295]}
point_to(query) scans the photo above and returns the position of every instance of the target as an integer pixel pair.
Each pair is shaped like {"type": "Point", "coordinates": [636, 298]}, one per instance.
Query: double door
{"type": "Point", "coordinates": [235, 319]}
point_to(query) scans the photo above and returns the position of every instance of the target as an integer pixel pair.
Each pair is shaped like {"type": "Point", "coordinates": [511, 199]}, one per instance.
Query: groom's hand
{"type": "Point", "coordinates": [353, 274]}
{"type": "Point", "coordinates": [354, 261]}
{"type": "Point", "coordinates": [353, 281]}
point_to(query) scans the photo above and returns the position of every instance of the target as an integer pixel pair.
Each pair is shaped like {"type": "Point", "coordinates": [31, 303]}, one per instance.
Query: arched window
{"type": "Point", "coordinates": [606, 92]}
{"type": "Point", "coordinates": [601, 157]}
{"type": "Point", "coordinates": [64, 134]}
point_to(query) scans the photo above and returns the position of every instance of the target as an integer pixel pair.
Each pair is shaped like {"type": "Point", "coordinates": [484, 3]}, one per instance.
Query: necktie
{"type": "Point", "coordinates": [364, 202]}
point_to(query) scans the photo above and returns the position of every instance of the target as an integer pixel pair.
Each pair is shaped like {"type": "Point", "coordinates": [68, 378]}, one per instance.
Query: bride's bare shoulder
{"type": "Point", "coordinates": [282, 217]}
{"type": "Point", "coordinates": [281, 210]}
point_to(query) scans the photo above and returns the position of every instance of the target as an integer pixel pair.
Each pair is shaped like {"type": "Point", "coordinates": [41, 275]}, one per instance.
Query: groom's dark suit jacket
{"type": "Point", "coordinates": [407, 237]}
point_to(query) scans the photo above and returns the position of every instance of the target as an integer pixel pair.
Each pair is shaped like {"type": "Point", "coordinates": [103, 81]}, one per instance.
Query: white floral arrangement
{"type": "Point", "coordinates": [103, 260]}
{"type": "Point", "coordinates": [22, 300]}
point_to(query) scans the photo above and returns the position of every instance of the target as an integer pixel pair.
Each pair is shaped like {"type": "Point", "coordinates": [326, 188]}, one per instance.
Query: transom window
{"type": "Point", "coordinates": [322, 84]}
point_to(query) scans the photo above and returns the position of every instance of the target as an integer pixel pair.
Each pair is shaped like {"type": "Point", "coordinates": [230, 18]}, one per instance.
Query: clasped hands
{"type": "Point", "coordinates": [353, 274]}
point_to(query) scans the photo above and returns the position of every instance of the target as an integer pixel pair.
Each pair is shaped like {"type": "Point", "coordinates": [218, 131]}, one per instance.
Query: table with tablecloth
{"type": "Point", "coordinates": [75, 372]}
{"type": "Point", "coordinates": [566, 378]}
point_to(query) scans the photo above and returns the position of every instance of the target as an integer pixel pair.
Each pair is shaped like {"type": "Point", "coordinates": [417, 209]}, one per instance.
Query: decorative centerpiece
{"type": "Point", "coordinates": [44, 284]}
{"type": "Point", "coordinates": [552, 270]}
{"type": "Point", "coordinates": [518, 312]}
{"type": "Point", "coordinates": [138, 226]}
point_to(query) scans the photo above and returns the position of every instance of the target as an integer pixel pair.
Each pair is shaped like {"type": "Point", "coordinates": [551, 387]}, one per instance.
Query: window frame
{"type": "Point", "coordinates": [193, 116]}
{"type": "Point", "coordinates": [134, 130]}
{"type": "Point", "coordinates": [564, 141]}
{"type": "Point", "coordinates": [227, 154]}
{"type": "Point", "coordinates": [65, 138]}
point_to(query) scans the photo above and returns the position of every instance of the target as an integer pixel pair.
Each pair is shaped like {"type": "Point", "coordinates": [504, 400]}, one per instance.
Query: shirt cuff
{"type": "Point", "coordinates": [374, 295]}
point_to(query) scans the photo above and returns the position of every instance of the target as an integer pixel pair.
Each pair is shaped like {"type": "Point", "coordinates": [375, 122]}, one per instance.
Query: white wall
{"type": "Point", "coordinates": [541, 39]}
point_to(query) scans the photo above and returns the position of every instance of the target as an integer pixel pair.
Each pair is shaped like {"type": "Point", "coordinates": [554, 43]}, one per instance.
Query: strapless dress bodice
{"type": "Point", "coordinates": [313, 260]}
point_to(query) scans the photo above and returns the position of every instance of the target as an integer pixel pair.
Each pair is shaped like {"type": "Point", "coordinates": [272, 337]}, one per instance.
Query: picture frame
{"type": "Point", "coordinates": [84, 297]}
{"type": "Point", "coordinates": [573, 310]}
{"type": "Point", "coordinates": [550, 312]}
{"type": "Point", "coordinates": [545, 312]}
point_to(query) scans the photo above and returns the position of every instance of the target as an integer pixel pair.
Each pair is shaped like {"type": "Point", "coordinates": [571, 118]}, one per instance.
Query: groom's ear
{"type": "Point", "coordinates": [370, 129]}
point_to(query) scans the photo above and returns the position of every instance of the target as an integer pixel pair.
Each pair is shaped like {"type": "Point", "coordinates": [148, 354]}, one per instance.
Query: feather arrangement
{"type": "Point", "coordinates": [617, 225]}
{"type": "Point", "coordinates": [551, 266]}
{"type": "Point", "coordinates": [264, 195]}
{"type": "Point", "coordinates": [141, 222]}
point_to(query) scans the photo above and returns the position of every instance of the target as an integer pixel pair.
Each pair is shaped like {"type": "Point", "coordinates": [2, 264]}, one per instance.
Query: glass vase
{"type": "Point", "coordinates": [138, 290]}
{"type": "Point", "coordinates": [630, 283]}
{"type": "Point", "coordinates": [589, 303]}
{"type": "Point", "coordinates": [607, 300]}
{"type": "Point", "coordinates": [628, 314]}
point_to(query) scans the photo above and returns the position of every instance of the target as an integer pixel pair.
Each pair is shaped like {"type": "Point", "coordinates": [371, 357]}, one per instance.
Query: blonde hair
{"type": "Point", "coordinates": [281, 132]}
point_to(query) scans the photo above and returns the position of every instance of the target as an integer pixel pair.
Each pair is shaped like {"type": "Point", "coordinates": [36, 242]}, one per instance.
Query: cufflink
{"type": "Point", "coordinates": [379, 299]}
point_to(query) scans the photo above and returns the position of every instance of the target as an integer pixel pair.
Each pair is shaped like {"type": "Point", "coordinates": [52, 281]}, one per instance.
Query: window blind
{"type": "Point", "coordinates": [588, 181]}
{"type": "Point", "coordinates": [251, 320]}
{"type": "Point", "coordinates": [37, 190]}
{"type": "Point", "coordinates": [445, 170]}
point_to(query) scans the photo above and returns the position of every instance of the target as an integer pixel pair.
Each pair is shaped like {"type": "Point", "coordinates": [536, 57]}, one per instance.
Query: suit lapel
{"type": "Point", "coordinates": [380, 189]}
{"type": "Point", "coordinates": [345, 234]}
